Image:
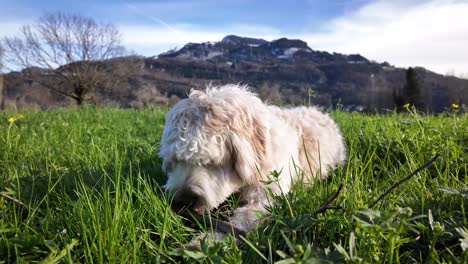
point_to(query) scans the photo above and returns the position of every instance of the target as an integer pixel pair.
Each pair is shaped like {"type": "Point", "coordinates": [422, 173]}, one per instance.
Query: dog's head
{"type": "Point", "coordinates": [212, 144]}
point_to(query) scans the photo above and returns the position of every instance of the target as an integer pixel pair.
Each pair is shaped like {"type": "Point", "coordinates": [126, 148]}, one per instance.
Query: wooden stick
{"type": "Point", "coordinates": [429, 162]}
{"type": "Point", "coordinates": [325, 206]}
{"type": "Point", "coordinates": [227, 227]}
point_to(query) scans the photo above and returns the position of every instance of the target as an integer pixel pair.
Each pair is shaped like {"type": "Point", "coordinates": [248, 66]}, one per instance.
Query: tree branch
{"type": "Point", "coordinates": [429, 162]}
{"type": "Point", "coordinates": [325, 206]}
{"type": "Point", "coordinates": [50, 87]}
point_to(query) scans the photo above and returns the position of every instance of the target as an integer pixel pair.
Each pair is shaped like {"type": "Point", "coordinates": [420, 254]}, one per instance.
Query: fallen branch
{"type": "Point", "coordinates": [429, 162]}
{"type": "Point", "coordinates": [325, 206]}
{"type": "Point", "coordinates": [227, 227]}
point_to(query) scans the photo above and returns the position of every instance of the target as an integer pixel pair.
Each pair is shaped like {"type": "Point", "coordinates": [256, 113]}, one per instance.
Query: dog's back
{"type": "Point", "coordinates": [322, 143]}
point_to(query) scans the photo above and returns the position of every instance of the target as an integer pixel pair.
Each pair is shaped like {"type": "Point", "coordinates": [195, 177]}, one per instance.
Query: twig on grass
{"type": "Point", "coordinates": [227, 227]}
{"type": "Point", "coordinates": [326, 206]}
{"type": "Point", "coordinates": [429, 162]}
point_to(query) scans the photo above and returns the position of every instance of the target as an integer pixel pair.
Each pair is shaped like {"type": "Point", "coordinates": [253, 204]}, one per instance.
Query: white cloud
{"type": "Point", "coordinates": [154, 40]}
{"type": "Point", "coordinates": [432, 34]}
{"type": "Point", "coordinates": [151, 41]}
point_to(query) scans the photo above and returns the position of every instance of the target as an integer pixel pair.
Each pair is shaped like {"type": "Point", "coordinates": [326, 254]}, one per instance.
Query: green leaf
{"type": "Point", "coordinates": [286, 261]}
{"type": "Point", "coordinates": [281, 253]}
{"type": "Point", "coordinates": [194, 254]}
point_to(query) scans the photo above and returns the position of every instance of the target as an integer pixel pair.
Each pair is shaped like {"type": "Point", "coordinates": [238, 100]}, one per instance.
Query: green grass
{"type": "Point", "coordinates": [82, 185]}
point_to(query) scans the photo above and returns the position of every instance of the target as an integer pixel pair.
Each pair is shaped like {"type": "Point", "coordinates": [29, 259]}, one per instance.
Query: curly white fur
{"type": "Point", "coordinates": [225, 140]}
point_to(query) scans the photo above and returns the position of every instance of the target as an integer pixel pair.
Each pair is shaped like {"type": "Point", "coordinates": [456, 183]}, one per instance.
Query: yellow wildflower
{"type": "Point", "coordinates": [406, 105]}
{"type": "Point", "coordinates": [20, 116]}
{"type": "Point", "coordinates": [455, 106]}
{"type": "Point", "coordinates": [11, 120]}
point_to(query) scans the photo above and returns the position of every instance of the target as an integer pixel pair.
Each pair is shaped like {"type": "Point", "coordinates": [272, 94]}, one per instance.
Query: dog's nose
{"type": "Point", "coordinates": [187, 200]}
{"type": "Point", "coordinates": [183, 200]}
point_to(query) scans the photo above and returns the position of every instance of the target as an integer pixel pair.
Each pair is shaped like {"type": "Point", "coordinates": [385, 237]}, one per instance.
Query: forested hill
{"type": "Point", "coordinates": [283, 71]}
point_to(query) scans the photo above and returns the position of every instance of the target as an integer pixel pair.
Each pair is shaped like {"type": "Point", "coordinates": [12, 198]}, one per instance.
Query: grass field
{"type": "Point", "coordinates": [82, 185]}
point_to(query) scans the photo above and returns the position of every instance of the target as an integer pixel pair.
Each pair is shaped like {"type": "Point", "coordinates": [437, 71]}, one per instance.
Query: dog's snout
{"type": "Point", "coordinates": [188, 200]}
{"type": "Point", "coordinates": [185, 198]}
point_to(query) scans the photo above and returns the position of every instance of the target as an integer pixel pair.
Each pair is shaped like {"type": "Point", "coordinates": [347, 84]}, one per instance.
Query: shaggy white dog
{"type": "Point", "coordinates": [225, 140]}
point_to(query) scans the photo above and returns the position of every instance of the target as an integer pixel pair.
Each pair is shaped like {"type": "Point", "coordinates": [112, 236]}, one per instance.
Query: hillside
{"type": "Point", "coordinates": [283, 71]}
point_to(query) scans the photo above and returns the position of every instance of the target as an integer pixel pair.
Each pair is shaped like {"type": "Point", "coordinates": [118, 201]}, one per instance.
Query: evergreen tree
{"type": "Point", "coordinates": [412, 89]}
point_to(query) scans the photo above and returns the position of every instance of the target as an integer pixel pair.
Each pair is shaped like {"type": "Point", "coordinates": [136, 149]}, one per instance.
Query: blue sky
{"type": "Point", "coordinates": [431, 33]}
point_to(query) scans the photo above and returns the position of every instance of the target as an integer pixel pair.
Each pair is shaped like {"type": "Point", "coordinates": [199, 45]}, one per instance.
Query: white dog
{"type": "Point", "coordinates": [225, 140]}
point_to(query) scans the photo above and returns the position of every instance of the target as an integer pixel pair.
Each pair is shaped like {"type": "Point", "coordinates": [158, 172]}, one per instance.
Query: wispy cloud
{"type": "Point", "coordinates": [152, 40]}
{"type": "Point", "coordinates": [431, 34]}
{"type": "Point", "coordinates": [139, 11]}
{"type": "Point", "coordinates": [149, 40]}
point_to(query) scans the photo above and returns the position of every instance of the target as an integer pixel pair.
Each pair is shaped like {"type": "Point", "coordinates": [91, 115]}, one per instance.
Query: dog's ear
{"type": "Point", "coordinates": [242, 120]}
{"type": "Point", "coordinates": [248, 137]}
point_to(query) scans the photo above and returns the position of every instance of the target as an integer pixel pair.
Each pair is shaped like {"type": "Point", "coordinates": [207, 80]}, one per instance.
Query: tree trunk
{"type": "Point", "coordinates": [79, 101]}
{"type": "Point", "coordinates": [79, 91]}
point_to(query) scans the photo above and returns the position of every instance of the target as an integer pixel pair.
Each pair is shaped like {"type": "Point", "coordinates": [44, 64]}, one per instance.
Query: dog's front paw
{"type": "Point", "coordinates": [208, 238]}
{"type": "Point", "coordinates": [247, 217]}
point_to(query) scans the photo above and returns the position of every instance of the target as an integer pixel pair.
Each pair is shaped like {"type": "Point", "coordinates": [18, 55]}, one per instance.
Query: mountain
{"type": "Point", "coordinates": [283, 71]}
{"type": "Point", "coordinates": [235, 49]}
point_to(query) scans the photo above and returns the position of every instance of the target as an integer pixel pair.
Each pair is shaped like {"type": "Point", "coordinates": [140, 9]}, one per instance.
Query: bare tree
{"type": "Point", "coordinates": [1, 59]}
{"type": "Point", "coordinates": [1, 77]}
{"type": "Point", "coordinates": [67, 54]}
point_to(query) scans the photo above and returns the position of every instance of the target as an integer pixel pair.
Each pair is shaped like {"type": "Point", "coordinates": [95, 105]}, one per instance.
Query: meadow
{"type": "Point", "coordinates": [82, 186]}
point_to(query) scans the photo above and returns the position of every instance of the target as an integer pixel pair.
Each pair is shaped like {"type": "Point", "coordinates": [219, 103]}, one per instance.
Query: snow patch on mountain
{"type": "Point", "coordinates": [289, 52]}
